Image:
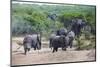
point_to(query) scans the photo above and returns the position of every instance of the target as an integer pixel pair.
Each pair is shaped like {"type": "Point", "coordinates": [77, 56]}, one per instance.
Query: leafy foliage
{"type": "Point", "coordinates": [28, 18]}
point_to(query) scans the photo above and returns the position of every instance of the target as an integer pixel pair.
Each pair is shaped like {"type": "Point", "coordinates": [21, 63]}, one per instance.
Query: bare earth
{"type": "Point", "coordinates": [45, 55]}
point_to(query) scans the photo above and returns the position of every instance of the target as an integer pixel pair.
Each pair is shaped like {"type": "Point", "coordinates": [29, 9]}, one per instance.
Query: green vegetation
{"type": "Point", "coordinates": [29, 18]}
{"type": "Point", "coordinates": [84, 42]}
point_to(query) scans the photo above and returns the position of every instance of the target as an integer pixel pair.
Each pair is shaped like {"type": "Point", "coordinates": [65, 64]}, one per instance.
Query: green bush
{"type": "Point", "coordinates": [29, 18]}
{"type": "Point", "coordinates": [84, 43]}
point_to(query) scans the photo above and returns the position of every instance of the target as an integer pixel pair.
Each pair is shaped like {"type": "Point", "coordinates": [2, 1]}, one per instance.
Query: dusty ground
{"type": "Point", "coordinates": [45, 55]}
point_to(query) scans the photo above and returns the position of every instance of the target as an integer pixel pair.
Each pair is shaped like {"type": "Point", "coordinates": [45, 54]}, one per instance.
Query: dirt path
{"type": "Point", "coordinates": [45, 55]}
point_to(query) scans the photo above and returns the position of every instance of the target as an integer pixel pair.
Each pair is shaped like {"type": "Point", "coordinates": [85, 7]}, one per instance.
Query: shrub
{"type": "Point", "coordinates": [20, 26]}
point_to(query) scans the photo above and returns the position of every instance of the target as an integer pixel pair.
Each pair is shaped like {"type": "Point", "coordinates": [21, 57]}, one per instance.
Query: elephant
{"type": "Point", "coordinates": [62, 31]}
{"type": "Point", "coordinates": [57, 33]}
{"type": "Point", "coordinates": [31, 41]}
{"type": "Point", "coordinates": [69, 38]}
{"type": "Point", "coordinates": [58, 42]}
{"type": "Point", "coordinates": [62, 41]}
{"type": "Point", "coordinates": [77, 25]}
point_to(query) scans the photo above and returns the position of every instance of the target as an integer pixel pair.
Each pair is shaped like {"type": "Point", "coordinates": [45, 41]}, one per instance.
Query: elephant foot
{"type": "Point", "coordinates": [64, 49]}
{"type": "Point", "coordinates": [70, 46]}
{"type": "Point", "coordinates": [34, 48]}
{"type": "Point", "coordinates": [56, 49]}
{"type": "Point", "coordinates": [25, 51]}
{"type": "Point", "coordinates": [53, 51]}
{"type": "Point", "coordinates": [28, 49]}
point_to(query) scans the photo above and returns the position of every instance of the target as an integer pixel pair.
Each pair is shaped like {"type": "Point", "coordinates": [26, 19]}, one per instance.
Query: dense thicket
{"type": "Point", "coordinates": [29, 18]}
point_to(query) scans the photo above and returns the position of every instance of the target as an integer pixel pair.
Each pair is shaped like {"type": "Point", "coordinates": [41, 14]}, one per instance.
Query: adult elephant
{"type": "Point", "coordinates": [77, 25]}
{"type": "Point", "coordinates": [32, 41]}
{"type": "Point", "coordinates": [60, 32]}
{"type": "Point", "coordinates": [58, 42]}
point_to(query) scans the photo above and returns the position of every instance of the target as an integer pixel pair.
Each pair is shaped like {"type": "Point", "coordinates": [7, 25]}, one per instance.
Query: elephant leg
{"type": "Point", "coordinates": [64, 49]}
{"type": "Point", "coordinates": [28, 49]}
{"type": "Point", "coordinates": [66, 46]}
{"type": "Point", "coordinates": [71, 44]}
{"type": "Point", "coordinates": [50, 47]}
{"type": "Point", "coordinates": [53, 50]}
{"type": "Point", "coordinates": [56, 49]}
{"type": "Point", "coordinates": [34, 48]}
{"type": "Point", "coordinates": [25, 49]}
{"type": "Point", "coordinates": [38, 46]}
{"type": "Point", "coordinates": [50, 44]}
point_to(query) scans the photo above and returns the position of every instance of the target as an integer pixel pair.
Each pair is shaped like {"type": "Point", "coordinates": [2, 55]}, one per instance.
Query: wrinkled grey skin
{"type": "Point", "coordinates": [31, 41]}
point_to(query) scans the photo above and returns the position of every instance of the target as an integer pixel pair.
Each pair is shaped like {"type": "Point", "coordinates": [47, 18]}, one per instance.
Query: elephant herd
{"type": "Point", "coordinates": [61, 39]}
